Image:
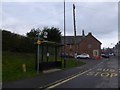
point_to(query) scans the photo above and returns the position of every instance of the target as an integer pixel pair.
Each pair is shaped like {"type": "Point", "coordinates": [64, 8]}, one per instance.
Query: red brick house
{"type": "Point", "coordinates": [84, 44]}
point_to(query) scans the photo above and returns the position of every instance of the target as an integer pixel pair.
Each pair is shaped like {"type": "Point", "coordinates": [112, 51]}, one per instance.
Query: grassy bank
{"type": "Point", "coordinates": [12, 65]}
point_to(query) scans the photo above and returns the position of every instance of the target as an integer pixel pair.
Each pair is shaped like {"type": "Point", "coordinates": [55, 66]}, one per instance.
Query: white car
{"type": "Point", "coordinates": [111, 54]}
{"type": "Point", "coordinates": [83, 56]}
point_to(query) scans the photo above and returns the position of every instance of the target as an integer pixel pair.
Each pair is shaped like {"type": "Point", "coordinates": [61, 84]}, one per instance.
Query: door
{"type": "Point", "coordinates": [95, 52]}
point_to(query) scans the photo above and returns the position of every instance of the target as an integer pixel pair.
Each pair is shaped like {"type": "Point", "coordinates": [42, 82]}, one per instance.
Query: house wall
{"type": "Point", "coordinates": [87, 45]}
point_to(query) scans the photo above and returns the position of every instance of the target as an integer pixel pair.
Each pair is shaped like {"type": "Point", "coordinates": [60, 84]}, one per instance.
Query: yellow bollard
{"type": "Point", "coordinates": [24, 67]}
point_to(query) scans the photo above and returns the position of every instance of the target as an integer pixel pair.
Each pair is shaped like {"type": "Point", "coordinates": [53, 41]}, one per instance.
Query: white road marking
{"type": "Point", "coordinates": [59, 82]}
{"type": "Point", "coordinates": [113, 74]}
{"type": "Point", "coordinates": [105, 74]}
{"type": "Point", "coordinates": [79, 74]}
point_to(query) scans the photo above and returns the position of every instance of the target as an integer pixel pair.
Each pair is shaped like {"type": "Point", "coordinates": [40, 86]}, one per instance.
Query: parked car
{"type": "Point", "coordinates": [105, 55]}
{"type": "Point", "coordinates": [111, 54]}
{"type": "Point", "coordinates": [65, 55]}
{"type": "Point", "coordinates": [83, 56]}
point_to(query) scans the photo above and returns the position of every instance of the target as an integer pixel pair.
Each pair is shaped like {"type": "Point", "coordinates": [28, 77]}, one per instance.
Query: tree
{"type": "Point", "coordinates": [54, 34]}
{"type": "Point", "coordinates": [32, 33]}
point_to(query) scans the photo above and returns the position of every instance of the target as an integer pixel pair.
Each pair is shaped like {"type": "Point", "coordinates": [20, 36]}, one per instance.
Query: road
{"type": "Point", "coordinates": [104, 75]}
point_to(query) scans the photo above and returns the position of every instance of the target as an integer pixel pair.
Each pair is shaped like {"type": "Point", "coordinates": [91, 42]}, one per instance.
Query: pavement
{"type": "Point", "coordinates": [47, 79]}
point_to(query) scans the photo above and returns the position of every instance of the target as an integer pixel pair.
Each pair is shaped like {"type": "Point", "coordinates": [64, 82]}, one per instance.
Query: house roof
{"type": "Point", "coordinates": [94, 37]}
{"type": "Point", "coordinates": [70, 39]}
{"type": "Point", "coordinates": [79, 39]}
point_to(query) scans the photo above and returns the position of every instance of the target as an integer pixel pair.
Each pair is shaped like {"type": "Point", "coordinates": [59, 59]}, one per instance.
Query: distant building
{"type": "Point", "coordinates": [84, 44]}
{"type": "Point", "coordinates": [117, 49]}
{"type": "Point", "coordinates": [108, 50]}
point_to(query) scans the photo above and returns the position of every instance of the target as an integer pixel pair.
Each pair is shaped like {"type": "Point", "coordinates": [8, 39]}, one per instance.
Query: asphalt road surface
{"type": "Point", "coordinates": [104, 75]}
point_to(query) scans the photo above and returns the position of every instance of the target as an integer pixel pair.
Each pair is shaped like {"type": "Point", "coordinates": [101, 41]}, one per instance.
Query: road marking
{"type": "Point", "coordinates": [90, 73]}
{"type": "Point", "coordinates": [59, 82]}
{"type": "Point", "coordinates": [113, 74]}
{"type": "Point", "coordinates": [97, 73]}
{"type": "Point", "coordinates": [106, 70]}
{"type": "Point", "coordinates": [103, 72]}
{"type": "Point", "coordinates": [79, 74]}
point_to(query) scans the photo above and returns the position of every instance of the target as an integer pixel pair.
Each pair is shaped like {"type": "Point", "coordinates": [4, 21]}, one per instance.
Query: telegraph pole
{"type": "Point", "coordinates": [74, 28]}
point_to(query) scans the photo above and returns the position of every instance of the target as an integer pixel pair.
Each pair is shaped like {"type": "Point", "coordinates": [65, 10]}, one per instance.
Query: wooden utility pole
{"type": "Point", "coordinates": [75, 48]}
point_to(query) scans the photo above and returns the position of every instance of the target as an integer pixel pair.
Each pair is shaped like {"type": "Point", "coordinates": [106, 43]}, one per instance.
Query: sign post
{"type": "Point", "coordinates": [38, 47]}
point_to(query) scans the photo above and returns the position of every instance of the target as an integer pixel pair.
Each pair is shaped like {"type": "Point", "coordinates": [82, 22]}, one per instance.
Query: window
{"type": "Point", "coordinates": [89, 45]}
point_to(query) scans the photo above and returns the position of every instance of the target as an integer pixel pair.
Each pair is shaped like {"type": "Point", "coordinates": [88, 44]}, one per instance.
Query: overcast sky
{"type": "Point", "coordinates": [100, 18]}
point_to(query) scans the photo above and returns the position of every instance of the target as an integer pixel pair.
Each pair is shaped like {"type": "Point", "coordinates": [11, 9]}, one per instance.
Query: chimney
{"type": "Point", "coordinates": [89, 33]}
{"type": "Point", "coordinates": [83, 34]}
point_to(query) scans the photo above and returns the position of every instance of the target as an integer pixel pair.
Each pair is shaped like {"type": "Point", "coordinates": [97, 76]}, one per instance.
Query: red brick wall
{"type": "Point", "coordinates": [83, 46]}
{"type": "Point", "coordinates": [95, 45]}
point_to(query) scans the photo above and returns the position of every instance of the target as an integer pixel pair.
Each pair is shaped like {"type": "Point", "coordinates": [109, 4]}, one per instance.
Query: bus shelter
{"type": "Point", "coordinates": [49, 55]}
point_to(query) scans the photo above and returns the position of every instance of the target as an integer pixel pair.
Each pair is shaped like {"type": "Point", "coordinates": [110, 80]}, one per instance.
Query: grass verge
{"type": "Point", "coordinates": [12, 65]}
